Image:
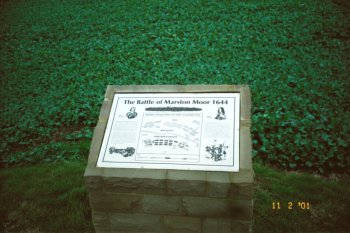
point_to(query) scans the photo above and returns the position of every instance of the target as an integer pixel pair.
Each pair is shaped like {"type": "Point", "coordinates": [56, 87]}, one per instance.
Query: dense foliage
{"type": "Point", "coordinates": [58, 56]}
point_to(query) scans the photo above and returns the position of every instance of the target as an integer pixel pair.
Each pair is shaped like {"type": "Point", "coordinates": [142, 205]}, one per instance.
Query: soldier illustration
{"type": "Point", "coordinates": [132, 114]}
{"type": "Point", "coordinates": [217, 151]}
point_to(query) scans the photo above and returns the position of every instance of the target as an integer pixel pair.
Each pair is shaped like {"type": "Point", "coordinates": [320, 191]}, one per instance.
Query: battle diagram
{"type": "Point", "coordinates": [170, 133]}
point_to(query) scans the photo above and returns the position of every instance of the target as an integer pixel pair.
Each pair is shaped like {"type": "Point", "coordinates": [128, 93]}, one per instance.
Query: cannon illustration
{"type": "Point", "coordinates": [129, 151]}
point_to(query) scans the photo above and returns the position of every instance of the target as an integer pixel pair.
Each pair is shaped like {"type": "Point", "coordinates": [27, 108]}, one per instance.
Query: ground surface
{"type": "Point", "coordinates": [57, 57]}
{"type": "Point", "coordinates": [52, 198]}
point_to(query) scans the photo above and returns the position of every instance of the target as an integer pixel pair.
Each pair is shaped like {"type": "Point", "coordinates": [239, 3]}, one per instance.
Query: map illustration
{"type": "Point", "coordinates": [166, 142]}
{"type": "Point", "coordinates": [176, 134]}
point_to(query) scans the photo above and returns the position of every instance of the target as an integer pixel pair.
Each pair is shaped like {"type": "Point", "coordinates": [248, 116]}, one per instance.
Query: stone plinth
{"type": "Point", "coordinates": [171, 201]}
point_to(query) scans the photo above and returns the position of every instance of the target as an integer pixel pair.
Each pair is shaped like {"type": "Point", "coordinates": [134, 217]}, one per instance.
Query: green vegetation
{"type": "Point", "coordinates": [52, 198]}
{"type": "Point", "coordinates": [45, 198]}
{"type": "Point", "coordinates": [328, 202]}
{"type": "Point", "coordinates": [58, 56]}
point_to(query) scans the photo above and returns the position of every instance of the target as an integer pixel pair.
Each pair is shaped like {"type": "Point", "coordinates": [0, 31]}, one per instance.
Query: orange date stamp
{"type": "Point", "coordinates": [300, 205]}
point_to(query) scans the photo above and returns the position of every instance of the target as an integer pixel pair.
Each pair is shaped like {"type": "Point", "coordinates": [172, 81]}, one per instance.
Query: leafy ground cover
{"type": "Point", "coordinates": [58, 56]}
{"type": "Point", "coordinates": [52, 198]}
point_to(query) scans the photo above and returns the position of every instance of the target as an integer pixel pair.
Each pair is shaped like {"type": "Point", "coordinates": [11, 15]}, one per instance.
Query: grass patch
{"type": "Point", "coordinates": [329, 202]}
{"type": "Point", "coordinates": [52, 198]}
{"type": "Point", "coordinates": [45, 198]}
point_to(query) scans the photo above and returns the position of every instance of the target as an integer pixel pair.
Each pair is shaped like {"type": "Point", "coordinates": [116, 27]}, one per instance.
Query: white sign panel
{"type": "Point", "coordinates": [186, 131]}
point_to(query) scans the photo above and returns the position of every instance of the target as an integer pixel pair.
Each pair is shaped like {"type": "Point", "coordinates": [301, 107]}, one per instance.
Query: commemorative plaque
{"type": "Point", "coordinates": [186, 131]}
{"type": "Point", "coordinates": [160, 154]}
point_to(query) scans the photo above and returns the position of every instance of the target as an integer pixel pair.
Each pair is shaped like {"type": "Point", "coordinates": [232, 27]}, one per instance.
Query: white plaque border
{"type": "Point", "coordinates": [157, 165]}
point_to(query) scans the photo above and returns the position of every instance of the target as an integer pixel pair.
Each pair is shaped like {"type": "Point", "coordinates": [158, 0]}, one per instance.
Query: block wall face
{"type": "Point", "coordinates": [171, 201]}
